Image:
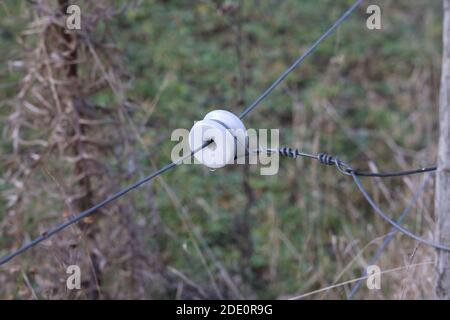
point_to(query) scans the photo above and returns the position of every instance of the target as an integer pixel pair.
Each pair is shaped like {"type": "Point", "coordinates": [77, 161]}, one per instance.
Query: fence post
{"type": "Point", "coordinates": [442, 201]}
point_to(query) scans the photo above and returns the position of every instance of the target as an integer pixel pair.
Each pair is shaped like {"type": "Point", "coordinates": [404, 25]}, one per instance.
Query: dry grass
{"type": "Point", "coordinates": [306, 234]}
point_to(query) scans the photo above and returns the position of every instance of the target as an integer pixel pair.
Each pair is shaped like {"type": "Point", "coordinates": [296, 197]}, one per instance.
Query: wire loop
{"type": "Point", "coordinates": [347, 170]}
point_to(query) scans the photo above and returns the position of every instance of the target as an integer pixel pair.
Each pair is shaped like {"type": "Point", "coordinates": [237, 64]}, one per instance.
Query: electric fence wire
{"type": "Point", "coordinates": [346, 169]}
{"type": "Point", "coordinates": [86, 213]}
{"type": "Point", "coordinates": [390, 236]}
{"type": "Point", "coordinates": [394, 174]}
{"type": "Point", "coordinates": [384, 216]}
{"type": "Point", "coordinates": [89, 211]}
{"type": "Point", "coordinates": [343, 167]}
{"type": "Point", "coordinates": [300, 59]}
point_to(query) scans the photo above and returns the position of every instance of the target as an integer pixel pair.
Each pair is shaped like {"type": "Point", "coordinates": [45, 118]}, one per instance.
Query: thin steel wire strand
{"type": "Point", "coordinates": [394, 173]}
{"type": "Point", "coordinates": [346, 169]}
{"type": "Point", "coordinates": [391, 234]}
{"type": "Point", "coordinates": [300, 59]}
{"type": "Point", "coordinates": [341, 165]}
{"type": "Point", "coordinates": [98, 206]}
{"type": "Point", "coordinates": [397, 226]}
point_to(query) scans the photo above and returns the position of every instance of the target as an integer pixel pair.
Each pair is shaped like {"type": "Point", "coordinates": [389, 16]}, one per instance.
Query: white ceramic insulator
{"type": "Point", "coordinates": [228, 135]}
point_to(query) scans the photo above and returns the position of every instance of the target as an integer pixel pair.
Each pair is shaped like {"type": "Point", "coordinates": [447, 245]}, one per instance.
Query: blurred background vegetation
{"type": "Point", "coordinates": [144, 68]}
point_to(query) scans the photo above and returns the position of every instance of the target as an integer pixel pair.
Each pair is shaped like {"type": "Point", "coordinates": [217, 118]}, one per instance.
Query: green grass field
{"type": "Point", "coordinates": [367, 96]}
